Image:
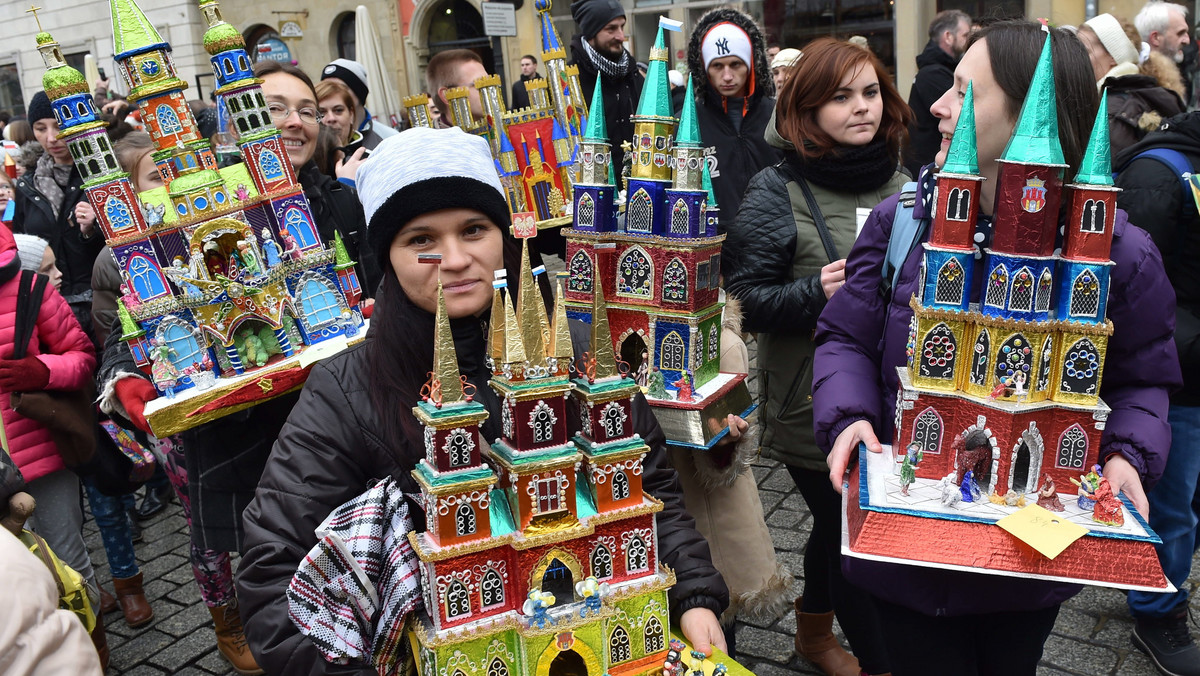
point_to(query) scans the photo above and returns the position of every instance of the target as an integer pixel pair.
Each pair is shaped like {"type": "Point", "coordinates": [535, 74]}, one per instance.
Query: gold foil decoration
{"type": "Point", "coordinates": [496, 344]}
{"type": "Point", "coordinates": [445, 361]}
{"type": "Point", "coordinates": [602, 344]}
{"type": "Point", "coordinates": [514, 347]}
{"type": "Point", "coordinates": [561, 347]}
{"type": "Point", "coordinates": [531, 310]}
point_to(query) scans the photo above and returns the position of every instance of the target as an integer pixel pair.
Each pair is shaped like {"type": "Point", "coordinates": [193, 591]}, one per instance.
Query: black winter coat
{"type": "Point", "coordinates": [1136, 106]}
{"type": "Point", "coordinates": [1154, 198]}
{"type": "Point", "coordinates": [934, 77]}
{"type": "Point", "coordinates": [520, 96]}
{"type": "Point", "coordinates": [335, 206]}
{"type": "Point", "coordinates": [331, 450]}
{"type": "Point", "coordinates": [620, 99]}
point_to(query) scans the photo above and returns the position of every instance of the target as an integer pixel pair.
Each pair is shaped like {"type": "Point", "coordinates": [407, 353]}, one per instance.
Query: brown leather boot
{"type": "Point", "coordinates": [132, 600]}
{"type": "Point", "coordinates": [231, 639]}
{"type": "Point", "coordinates": [100, 640]}
{"type": "Point", "coordinates": [816, 643]}
{"type": "Point", "coordinates": [108, 602]}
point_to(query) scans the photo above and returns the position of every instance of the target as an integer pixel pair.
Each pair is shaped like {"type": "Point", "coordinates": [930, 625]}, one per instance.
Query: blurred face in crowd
{"type": "Point", "coordinates": [49, 268]}
{"type": "Point", "coordinates": [780, 76]}
{"type": "Point", "coordinates": [471, 248]}
{"type": "Point", "coordinates": [1102, 61]}
{"type": "Point", "coordinates": [6, 191]}
{"type": "Point", "coordinates": [145, 174]}
{"type": "Point", "coordinates": [958, 39]}
{"type": "Point", "coordinates": [853, 115]}
{"type": "Point", "coordinates": [528, 67]}
{"type": "Point", "coordinates": [1171, 41]}
{"type": "Point", "coordinates": [294, 109]}
{"type": "Point", "coordinates": [46, 133]}
{"type": "Point", "coordinates": [468, 73]}
{"type": "Point", "coordinates": [771, 52]}
{"type": "Point", "coordinates": [337, 114]}
{"type": "Point", "coordinates": [728, 75]}
{"type": "Point", "coordinates": [610, 41]}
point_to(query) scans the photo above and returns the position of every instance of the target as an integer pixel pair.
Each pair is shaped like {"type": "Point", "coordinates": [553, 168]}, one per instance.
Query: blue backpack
{"type": "Point", "coordinates": [1176, 161]}
{"type": "Point", "coordinates": [906, 234]}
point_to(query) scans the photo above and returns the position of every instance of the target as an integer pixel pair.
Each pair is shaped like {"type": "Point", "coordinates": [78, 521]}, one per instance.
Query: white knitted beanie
{"type": "Point", "coordinates": [1112, 36]}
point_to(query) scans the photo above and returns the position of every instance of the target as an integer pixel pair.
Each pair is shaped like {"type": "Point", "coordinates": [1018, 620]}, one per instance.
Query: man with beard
{"type": "Point", "coordinates": [948, 33]}
{"type": "Point", "coordinates": [599, 51]}
{"type": "Point", "coordinates": [1163, 26]}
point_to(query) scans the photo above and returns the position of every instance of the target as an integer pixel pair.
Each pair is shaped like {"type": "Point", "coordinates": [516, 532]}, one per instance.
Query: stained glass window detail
{"type": "Point", "coordinates": [620, 486]}
{"type": "Point", "coordinates": [979, 360]}
{"type": "Point", "coordinates": [147, 278]}
{"type": "Point", "coordinates": [585, 212]}
{"type": "Point", "coordinates": [464, 520]}
{"type": "Point", "coordinates": [937, 353]}
{"type": "Point", "coordinates": [950, 283]}
{"type": "Point", "coordinates": [636, 556]}
{"type": "Point", "coordinates": [601, 562]}
{"type": "Point", "coordinates": [272, 168]}
{"type": "Point", "coordinates": [640, 212]}
{"type": "Point", "coordinates": [186, 348]}
{"type": "Point", "coordinates": [1093, 216]}
{"type": "Point", "coordinates": [618, 645]}
{"type": "Point", "coordinates": [679, 218]}
{"type": "Point", "coordinates": [458, 601]}
{"type": "Point", "coordinates": [581, 274]}
{"type": "Point", "coordinates": [1022, 291]}
{"type": "Point", "coordinates": [301, 228]}
{"type": "Point", "coordinates": [675, 283]}
{"type": "Point", "coordinates": [168, 121]}
{"type": "Point", "coordinates": [1044, 289]}
{"type": "Point", "coordinates": [1014, 357]}
{"type": "Point", "coordinates": [927, 431]}
{"type": "Point", "coordinates": [1081, 368]}
{"type": "Point", "coordinates": [1085, 295]}
{"type": "Point", "coordinates": [635, 274]}
{"type": "Point", "coordinates": [997, 287]}
{"type": "Point", "coordinates": [671, 353]}
{"type": "Point", "coordinates": [318, 301]}
{"type": "Point", "coordinates": [117, 213]}
{"type": "Point", "coordinates": [653, 635]}
{"type": "Point", "coordinates": [492, 591]}
{"type": "Point", "coordinates": [1072, 448]}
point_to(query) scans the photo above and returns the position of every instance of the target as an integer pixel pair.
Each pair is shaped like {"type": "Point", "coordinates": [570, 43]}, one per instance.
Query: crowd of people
{"type": "Point", "coordinates": [813, 146]}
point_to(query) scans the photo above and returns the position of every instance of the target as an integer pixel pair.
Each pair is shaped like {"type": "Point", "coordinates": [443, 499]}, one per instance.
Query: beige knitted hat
{"type": "Point", "coordinates": [1112, 36]}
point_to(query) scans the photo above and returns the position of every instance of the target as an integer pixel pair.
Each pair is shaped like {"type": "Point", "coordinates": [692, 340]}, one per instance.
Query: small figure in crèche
{"type": "Point", "coordinates": [233, 266]}
{"type": "Point", "coordinates": [537, 607]}
{"type": "Point", "coordinates": [908, 468]}
{"type": "Point", "coordinates": [1088, 483]}
{"type": "Point", "coordinates": [196, 266]}
{"type": "Point", "coordinates": [1048, 496]}
{"type": "Point", "coordinates": [996, 498]}
{"type": "Point", "coordinates": [162, 370]}
{"type": "Point", "coordinates": [720, 669]}
{"type": "Point", "coordinates": [249, 258]}
{"type": "Point", "coordinates": [950, 493]}
{"type": "Point", "coordinates": [349, 326]}
{"type": "Point", "coordinates": [673, 665]}
{"type": "Point", "coordinates": [685, 387]}
{"type": "Point", "coordinates": [656, 384]}
{"type": "Point", "coordinates": [179, 274]}
{"type": "Point", "coordinates": [213, 260]}
{"type": "Point", "coordinates": [643, 370]}
{"type": "Point", "coordinates": [970, 489]}
{"type": "Point", "coordinates": [1019, 385]}
{"type": "Point", "coordinates": [591, 590]}
{"type": "Point", "coordinates": [1108, 506]}
{"type": "Point", "coordinates": [1003, 388]}
{"type": "Point", "coordinates": [696, 663]}
{"type": "Point", "coordinates": [242, 193]}
{"type": "Point", "coordinates": [1014, 499]}
{"type": "Point", "coordinates": [130, 298]}
{"type": "Point", "coordinates": [291, 250]}
{"type": "Point", "coordinates": [256, 352]}
{"type": "Point", "coordinates": [154, 213]}
{"type": "Point", "coordinates": [270, 249]}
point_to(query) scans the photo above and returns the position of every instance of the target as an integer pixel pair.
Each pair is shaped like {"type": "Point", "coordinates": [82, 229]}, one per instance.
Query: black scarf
{"type": "Point", "coordinates": [847, 168]}
{"type": "Point", "coordinates": [613, 69]}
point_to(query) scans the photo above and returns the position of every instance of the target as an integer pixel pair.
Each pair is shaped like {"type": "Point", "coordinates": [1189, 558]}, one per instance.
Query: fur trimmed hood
{"type": "Point", "coordinates": [1165, 73]}
{"type": "Point", "coordinates": [764, 84]}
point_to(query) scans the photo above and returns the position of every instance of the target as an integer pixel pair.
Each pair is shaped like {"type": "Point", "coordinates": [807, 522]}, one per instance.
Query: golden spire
{"type": "Point", "coordinates": [496, 345]}
{"type": "Point", "coordinates": [514, 347]}
{"type": "Point", "coordinates": [531, 310]}
{"type": "Point", "coordinates": [445, 377]}
{"type": "Point", "coordinates": [560, 347]}
{"type": "Point", "coordinates": [602, 344]}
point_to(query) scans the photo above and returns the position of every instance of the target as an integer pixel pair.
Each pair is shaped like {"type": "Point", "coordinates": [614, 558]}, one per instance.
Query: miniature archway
{"type": "Point", "coordinates": [537, 576]}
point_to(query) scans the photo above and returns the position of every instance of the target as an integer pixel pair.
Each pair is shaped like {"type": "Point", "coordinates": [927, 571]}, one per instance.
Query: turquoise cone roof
{"type": "Point", "coordinates": [132, 31]}
{"type": "Point", "coordinates": [689, 125]}
{"type": "Point", "coordinates": [596, 130]}
{"type": "Point", "coordinates": [1096, 166]}
{"type": "Point", "coordinates": [963, 157]}
{"type": "Point", "coordinates": [708, 187]}
{"type": "Point", "coordinates": [1035, 140]}
{"type": "Point", "coordinates": [656, 92]}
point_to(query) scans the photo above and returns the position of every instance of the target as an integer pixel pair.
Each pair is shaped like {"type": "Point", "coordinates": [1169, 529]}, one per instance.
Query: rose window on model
{"type": "Point", "coordinates": [1044, 289]}
{"type": "Point", "coordinates": [581, 274]}
{"type": "Point", "coordinates": [927, 432]}
{"type": "Point", "coordinates": [458, 446]}
{"type": "Point", "coordinates": [997, 287]}
{"type": "Point", "coordinates": [1022, 291]}
{"type": "Point", "coordinates": [118, 214]}
{"type": "Point", "coordinates": [541, 421]}
{"type": "Point", "coordinates": [272, 168]}
{"type": "Point", "coordinates": [639, 213]}
{"type": "Point", "coordinates": [618, 645]}
{"type": "Point", "coordinates": [714, 342]}
{"type": "Point", "coordinates": [950, 283]}
{"type": "Point", "coordinates": [979, 360]}
{"type": "Point", "coordinates": [148, 279]}
{"type": "Point", "coordinates": [491, 589]}
{"type": "Point", "coordinates": [635, 274]}
{"type": "Point", "coordinates": [1081, 368]}
{"type": "Point", "coordinates": [464, 520]}
{"type": "Point", "coordinates": [1085, 295]}
{"type": "Point", "coordinates": [1015, 356]}
{"type": "Point", "coordinates": [679, 218]}
{"type": "Point", "coordinates": [458, 601]}
{"type": "Point", "coordinates": [1043, 380]}
{"type": "Point", "coordinates": [636, 556]}
{"type": "Point", "coordinates": [1072, 448]}
{"type": "Point", "coordinates": [1093, 216]}
{"type": "Point", "coordinates": [620, 486]}
{"type": "Point", "coordinates": [585, 213]}
{"type": "Point", "coordinates": [937, 353]}
{"type": "Point", "coordinates": [675, 283]}
{"type": "Point", "coordinates": [613, 419]}
{"type": "Point", "coordinates": [601, 563]}
{"type": "Point", "coordinates": [652, 636]}
{"type": "Point", "coordinates": [671, 353]}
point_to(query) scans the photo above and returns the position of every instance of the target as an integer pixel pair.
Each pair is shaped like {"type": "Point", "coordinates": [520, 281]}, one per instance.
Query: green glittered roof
{"type": "Point", "coordinates": [689, 125]}
{"type": "Point", "coordinates": [132, 31]}
{"type": "Point", "coordinates": [1035, 140]}
{"type": "Point", "coordinates": [1096, 166]}
{"type": "Point", "coordinates": [963, 157]}
{"type": "Point", "coordinates": [596, 130]}
{"type": "Point", "coordinates": [656, 92]}
{"type": "Point", "coordinates": [43, 38]}
{"type": "Point", "coordinates": [62, 81]}
{"type": "Point", "coordinates": [222, 37]}
{"type": "Point", "coordinates": [188, 183]}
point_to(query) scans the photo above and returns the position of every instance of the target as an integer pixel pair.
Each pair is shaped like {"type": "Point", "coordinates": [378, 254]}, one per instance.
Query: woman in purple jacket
{"type": "Point", "coordinates": [955, 622]}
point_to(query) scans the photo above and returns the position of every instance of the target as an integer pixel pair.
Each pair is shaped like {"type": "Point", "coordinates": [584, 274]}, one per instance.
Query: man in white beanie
{"type": "Point", "coordinates": [354, 75]}
{"type": "Point", "coordinates": [734, 90]}
{"type": "Point", "coordinates": [1138, 101]}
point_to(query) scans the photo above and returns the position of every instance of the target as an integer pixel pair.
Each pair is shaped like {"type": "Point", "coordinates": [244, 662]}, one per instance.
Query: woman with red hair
{"type": "Point", "coordinates": [840, 123]}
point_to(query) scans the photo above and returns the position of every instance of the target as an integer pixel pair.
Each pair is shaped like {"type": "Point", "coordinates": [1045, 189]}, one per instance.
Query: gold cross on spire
{"type": "Point", "coordinates": [33, 9]}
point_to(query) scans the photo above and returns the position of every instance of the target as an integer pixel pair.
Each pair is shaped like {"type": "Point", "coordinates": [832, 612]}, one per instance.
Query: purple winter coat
{"type": "Point", "coordinates": [854, 378]}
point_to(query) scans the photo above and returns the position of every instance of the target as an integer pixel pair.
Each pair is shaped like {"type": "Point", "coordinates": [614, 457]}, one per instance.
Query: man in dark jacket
{"type": "Point", "coordinates": [1157, 201]}
{"type": "Point", "coordinates": [734, 101]}
{"type": "Point", "coordinates": [520, 96]}
{"type": "Point", "coordinates": [599, 51]}
{"type": "Point", "coordinates": [948, 35]}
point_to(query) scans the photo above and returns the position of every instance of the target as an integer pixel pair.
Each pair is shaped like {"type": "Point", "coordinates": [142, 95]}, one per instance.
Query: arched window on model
{"type": "Point", "coordinates": [464, 520]}
{"type": "Point", "coordinates": [458, 601]}
{"type": "Point", "coordinates": [491, 589]}
{"type": "Point", "coordinates": [601, 563]}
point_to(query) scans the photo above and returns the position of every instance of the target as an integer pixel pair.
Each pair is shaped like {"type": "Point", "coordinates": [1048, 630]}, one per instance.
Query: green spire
{"type": "Point", "coordinates": [341, 259]}
{"type": "Point", "coordinates": [689, 126]}
{"type": "Point", "coordinates": [132, 31]}
{"type": "Point", "coordinates": [656, 92]}
{"type": "Point", "coordinates": [708, 187]}
{"type": "Point", "coordinates": [596, 130]}
{"type": "Point", "coordinates": [1035, 140]}
{"type": "Point", "coordinates": [129, 328]}
{"type": "Point", "coordinates": [963, 157]}
{"type": "Point", "coordinates": [1096, 166]}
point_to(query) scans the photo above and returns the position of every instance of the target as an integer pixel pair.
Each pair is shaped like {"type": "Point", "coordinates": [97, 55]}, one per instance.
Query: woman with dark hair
{"type": "Point", "coordinates": [840, 124]}
{"type": "Point", "coordinates": [427, 192]}
{"type": "Point", "coordinates": [942, 621]}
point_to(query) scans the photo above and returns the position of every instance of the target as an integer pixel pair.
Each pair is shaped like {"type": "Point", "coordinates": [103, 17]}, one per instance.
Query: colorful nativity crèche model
{"type": "Point", "coordinates": [1001, 398]}
{"type": "Point", "coordinates": [543, 559]}
{"type": "Point", "coordinates": [659, 268]}
{"type": "Point", "coordinates": [207, 284]}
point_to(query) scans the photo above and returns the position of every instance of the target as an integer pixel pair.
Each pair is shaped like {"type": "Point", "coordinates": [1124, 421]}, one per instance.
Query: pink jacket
{"type": "Point", "coordinates": [64, 348]}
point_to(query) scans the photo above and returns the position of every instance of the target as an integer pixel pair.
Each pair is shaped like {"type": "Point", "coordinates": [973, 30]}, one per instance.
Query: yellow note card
{"type": "Point", "coordinates": [1045, 531]}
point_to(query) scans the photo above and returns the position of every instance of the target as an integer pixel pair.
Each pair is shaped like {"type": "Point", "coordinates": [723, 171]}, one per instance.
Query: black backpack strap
{"type": "Point", "coordinates": [30, 289]}
{"type": "Point", "coordinates": [813, 209]}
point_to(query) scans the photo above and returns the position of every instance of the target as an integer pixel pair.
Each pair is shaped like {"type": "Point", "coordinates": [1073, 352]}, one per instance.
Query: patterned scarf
{"type": "Point", "coordinates": [50, 178]}
{"type": "Point", "coordinates": [617, 69]}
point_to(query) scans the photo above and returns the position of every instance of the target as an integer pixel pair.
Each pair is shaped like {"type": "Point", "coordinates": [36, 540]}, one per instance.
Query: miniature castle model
{"type": "Point", "coordinates": [535, 148]}
{"type": "Point", "coordinates": [1024, 364]}
{"type": "Point", "coordinates": [223, 268]}
{"type": "Point", "coordinates": [660, 271]}
{"type": "Point", "coordinates": [541, 558]}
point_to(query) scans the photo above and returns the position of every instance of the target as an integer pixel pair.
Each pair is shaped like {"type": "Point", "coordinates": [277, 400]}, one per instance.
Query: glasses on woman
{"type": "Point", "coordinates": [280, 112]}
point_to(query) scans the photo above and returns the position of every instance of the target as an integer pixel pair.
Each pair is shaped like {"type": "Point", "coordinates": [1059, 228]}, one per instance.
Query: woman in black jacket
{"type": "Point", "coordinates": [427, 192]}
